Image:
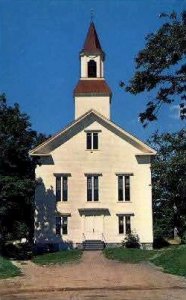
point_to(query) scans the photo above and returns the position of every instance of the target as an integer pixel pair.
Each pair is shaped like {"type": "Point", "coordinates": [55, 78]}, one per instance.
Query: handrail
{"type": "Point", "coordinates": [103, 237]}
{"type": "Point", "coordinates": [84, 237]}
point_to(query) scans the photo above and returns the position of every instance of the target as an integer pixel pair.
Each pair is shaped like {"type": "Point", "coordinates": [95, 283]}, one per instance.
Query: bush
{"type": "Point", "coordinates": [183, 238]}
{"type": "Point", "coordinates": [17, 251]}
{"type": "Point", "coordinates": [131, 241]}
{"type": "Point", "coordinates": [159, 243]}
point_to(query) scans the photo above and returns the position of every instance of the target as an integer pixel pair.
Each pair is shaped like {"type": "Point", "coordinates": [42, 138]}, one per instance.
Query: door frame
{"type": "Point", "coordinates": [94, 235]}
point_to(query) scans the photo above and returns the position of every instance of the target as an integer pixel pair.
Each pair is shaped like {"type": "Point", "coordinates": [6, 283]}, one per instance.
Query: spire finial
{"type": "Point", "coordinates": [91, 15]}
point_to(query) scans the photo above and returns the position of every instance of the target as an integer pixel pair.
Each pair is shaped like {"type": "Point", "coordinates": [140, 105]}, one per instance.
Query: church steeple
{"type": "Point", "coordinates": [92, 44]}
{"type": "Point", "coordinates": [92, 91]}
{"type": "Point", "coordinates": [92, 56]}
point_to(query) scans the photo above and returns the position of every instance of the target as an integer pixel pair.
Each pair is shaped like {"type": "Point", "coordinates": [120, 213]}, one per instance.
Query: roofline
{"type": "Point", "coordinates": [58, 133]}
{"type": "Point", "coordinates": [92, 94]}
{"type": "Point", "coordinates": [41, 154]}
{"type": "Point", "coordinates": [148, 154]}
{"type": "Point", "coordinates": [130, 135]}
{"type": "Point", "coordinates": [89, 53]}
{"type": "Point", "coordinates": [92, 34]}
{"type": "Point", "coordinates": [151, 150]}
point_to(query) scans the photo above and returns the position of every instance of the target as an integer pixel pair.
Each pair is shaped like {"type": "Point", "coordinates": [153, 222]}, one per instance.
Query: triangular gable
{"type": "Point", "coordinates": [80, 124]}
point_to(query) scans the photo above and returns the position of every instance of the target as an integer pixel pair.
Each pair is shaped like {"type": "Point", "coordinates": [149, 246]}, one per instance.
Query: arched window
{"type": "Point", "coordinates": [92, 68]}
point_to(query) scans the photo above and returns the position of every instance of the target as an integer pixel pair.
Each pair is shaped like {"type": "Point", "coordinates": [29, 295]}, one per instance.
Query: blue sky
{"type": "Point", "coordinates": [40, 42]}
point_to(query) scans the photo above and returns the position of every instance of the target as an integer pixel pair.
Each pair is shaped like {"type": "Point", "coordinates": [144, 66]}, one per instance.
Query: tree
{"type": "Point", "coordinates": [17, 179]}
{"type": "Point", "coordinates": [168, 182]}
{"type": "Point", "coordinates": [161, 68]}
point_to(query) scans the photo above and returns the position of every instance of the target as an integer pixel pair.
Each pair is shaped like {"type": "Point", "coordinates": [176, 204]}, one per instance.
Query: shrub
{"type": "Point", "coordinates": [17, 251]}
{"type": "Point", "coordinates": [183, 238]}
{"type": "Point", "coordinates": [131, 241]}
{"type": "Point", "coordinates": [159, 243]}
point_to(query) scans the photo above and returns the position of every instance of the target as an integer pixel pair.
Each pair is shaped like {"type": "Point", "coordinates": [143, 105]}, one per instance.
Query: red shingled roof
{"type": "Point", "coordinates": [99, 87]}
{"type": "Point", "coordinates": [92, 44]}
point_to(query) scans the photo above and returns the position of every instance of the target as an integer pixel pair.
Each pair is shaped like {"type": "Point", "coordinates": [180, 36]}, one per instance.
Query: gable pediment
{"type": "Point", "coordinates": [81, 124]}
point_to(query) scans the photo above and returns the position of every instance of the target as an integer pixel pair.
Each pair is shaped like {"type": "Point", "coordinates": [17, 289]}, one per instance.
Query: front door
{"type": "Point", "coordinates": [93, 227]}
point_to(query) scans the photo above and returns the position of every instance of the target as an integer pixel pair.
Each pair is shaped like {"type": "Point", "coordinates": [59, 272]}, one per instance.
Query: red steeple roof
{"type": "Point", "coordinates": [92, 44]}
{"type": "Point", "coordinates": [92, 87]}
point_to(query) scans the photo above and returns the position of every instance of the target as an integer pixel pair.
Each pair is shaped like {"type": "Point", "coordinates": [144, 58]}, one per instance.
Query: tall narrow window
{"type": "Point", "coordinates": [124, 224]}
{"type": "Point", "coordinates": [92, 72]}
{"type": "Point", "coordinates": [65, 188]}
{"type": "Point", "coordinates": [92, 188]}
{"type": "Point", "coordinates": [92, 140]}
{"type": "Point", "coordinates": [58, 188]}
{"type": "Point", "coordinates": [64, 225]}
{"type": "Point", "coordinates": [120, 188]}
{"type": "Point", "coordinates": [123, 188]}
{"type": "Point", "coordinates": [95, 140]}
{"type": "Point", "coordinates": [61, 188]}
{"type": "Point", "coordinates": [61, 225]}
{"type": "Point", "coordinates": [96, 188]}
{"type": "Point", "coordinates": [127, 225]}
{"type": "Point", "coordinates": [127, 188]}
{"type": "Point", "coordinates": [121, 224]}
{"type": "Point", "coordinates": [89, 188]}
{"type": "Point", "coordinates": [58, 225]}
{"type": "Point", "coordinates": [89, 140]}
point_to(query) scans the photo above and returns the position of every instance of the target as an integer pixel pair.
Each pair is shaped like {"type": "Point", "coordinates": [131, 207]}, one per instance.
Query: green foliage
{"type": "Point", "coordinates": [60, 257]}
{"type": "Point", "coordinates": [7, 269]}
{"type": "Point", "coordinates": [17, 179]}
{"type": "Point", "coordinates": [161, 68]}
{"type": "Point", "coordinates": [172, 260]}
{"type": "Point", "coordinates": [131, 241]}
{"type": "Point", "coordinates": [132, 256]}
{"type": "Point", "coordinates": [168, 183]}
{"type": "Point", "coordinates": [183, 239]}
{"type": "Point", "coordinates": [18, 251]}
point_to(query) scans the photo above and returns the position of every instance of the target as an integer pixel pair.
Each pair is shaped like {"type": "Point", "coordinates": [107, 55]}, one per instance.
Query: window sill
{"type": "Point", "coordinates": [124, 201]}
{"type": "Point", "coordinates": [93, 201]}
{"type": "Point", "coordinates": [92, 150]}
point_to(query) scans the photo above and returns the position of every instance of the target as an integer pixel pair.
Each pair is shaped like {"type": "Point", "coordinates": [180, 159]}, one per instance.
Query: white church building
{"type": "Point", "coordinates": [94, 180]}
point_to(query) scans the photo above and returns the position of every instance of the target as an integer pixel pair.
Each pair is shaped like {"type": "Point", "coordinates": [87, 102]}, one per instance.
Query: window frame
{"type": "Point", "coordinates": [93, 191]}
{"type": "Point", "coordinates": [62, 191]}
{"type": "Point", "coordinates": [92, 139]}
{"type": "Point", "coordinates": [124, 224]}
{"type": "Point", "coordinates": [62, 225]}
{"type": "Point", "coordinates": [124, 187]}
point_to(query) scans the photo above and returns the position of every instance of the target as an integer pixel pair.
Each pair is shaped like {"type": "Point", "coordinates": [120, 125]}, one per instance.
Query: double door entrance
{"type": "Point", "coordinates": [93, 227]}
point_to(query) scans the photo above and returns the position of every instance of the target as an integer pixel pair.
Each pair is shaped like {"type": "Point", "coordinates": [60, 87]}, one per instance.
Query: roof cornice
{"type": "Point", "coordinates": [147, 150]}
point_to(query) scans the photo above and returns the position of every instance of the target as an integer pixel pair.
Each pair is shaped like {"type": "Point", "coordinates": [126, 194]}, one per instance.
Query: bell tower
{"type": "Point", "coordinates": [92, 91]}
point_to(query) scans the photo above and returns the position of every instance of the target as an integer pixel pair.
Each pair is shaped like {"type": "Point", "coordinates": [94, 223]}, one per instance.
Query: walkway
{"type": "Point", "coordinates": [94, 277]}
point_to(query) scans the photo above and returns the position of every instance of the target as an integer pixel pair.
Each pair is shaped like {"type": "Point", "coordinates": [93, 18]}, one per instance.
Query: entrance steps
{"type": "Point", "coordinates": [93, 245]}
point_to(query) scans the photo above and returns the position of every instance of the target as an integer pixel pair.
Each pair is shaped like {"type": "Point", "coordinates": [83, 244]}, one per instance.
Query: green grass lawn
{"type": "Point", "coordinates": [129, 255]}
{"type": "Point", "coordinates": [171, 259]}
{"type": "Point", "coordinates": [60, 257]}
{"type": "Point", "coordinates": [7, 269]}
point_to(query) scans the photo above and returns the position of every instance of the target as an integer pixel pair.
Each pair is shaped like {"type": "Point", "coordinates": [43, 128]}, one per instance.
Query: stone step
{"type": "Point", "coordinates": [93, 241]}
{"type": "Point", "coordinates": [93, 245]}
